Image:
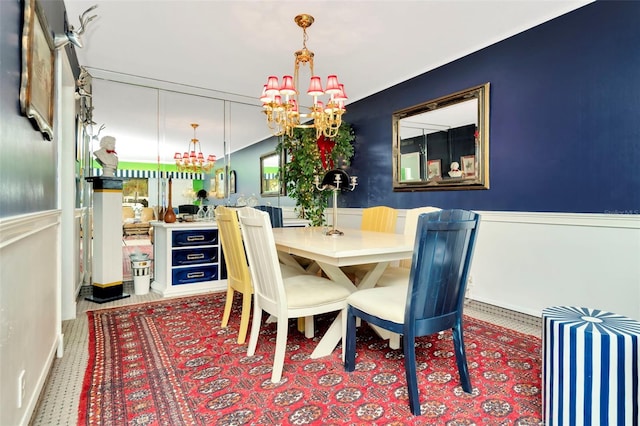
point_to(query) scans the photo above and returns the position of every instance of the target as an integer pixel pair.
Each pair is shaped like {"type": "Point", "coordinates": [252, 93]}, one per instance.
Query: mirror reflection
{"type": "Point", "coordinates": [270, 175]}
{"type": "Point", "coordinates": [443, 143]}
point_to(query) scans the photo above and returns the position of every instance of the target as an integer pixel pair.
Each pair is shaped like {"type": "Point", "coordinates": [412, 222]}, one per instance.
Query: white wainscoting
{"type": "Point", "coordinates": [30, 323]}
{"type": "Point", "coordinates": [529, 261]}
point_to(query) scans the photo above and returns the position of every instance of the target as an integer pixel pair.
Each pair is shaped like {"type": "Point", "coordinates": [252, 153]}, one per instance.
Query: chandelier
{"type": "Point", "coordinates": [193, 161]}
{"type": "Point", "coordinates": [280, 100]}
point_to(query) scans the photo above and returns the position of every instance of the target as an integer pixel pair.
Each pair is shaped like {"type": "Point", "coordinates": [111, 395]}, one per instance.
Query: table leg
{"type": "Point", "coordinates": [334, 334]}
{"type": "Point", "coordinates": [330, 340]}
{"type": "Point", "coordinates": [371, 278]}
{"type": "Point", "coordinates": [287, 259]}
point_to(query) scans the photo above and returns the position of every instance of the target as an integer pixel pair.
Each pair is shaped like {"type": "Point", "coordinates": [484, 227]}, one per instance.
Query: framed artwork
{"type": "Point", "coordinates": [232, 182]}
{"type": "Point", "coordinates": [468, 165]}
{"type": "Point", "coordinates": [36, 82]}
{"type": "Point", "coordinates": [434, 169]}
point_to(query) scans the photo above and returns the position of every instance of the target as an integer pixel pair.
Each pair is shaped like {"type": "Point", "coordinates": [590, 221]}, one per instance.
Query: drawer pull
{"type": "Point", "coordinates": [191, 238]}
{"type": "Point", "coordinates": [195, 275]}
{"type": "Point", "coordinates": [195, 256]}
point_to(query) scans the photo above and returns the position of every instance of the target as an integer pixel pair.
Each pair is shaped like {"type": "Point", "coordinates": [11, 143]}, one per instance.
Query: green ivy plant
{"type": "Point", "coordinates": [304, 163]}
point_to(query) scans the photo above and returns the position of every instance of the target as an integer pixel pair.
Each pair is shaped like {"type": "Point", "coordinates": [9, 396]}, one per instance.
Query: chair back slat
{"type": "Point", "coordinates": [275, 215]}
{"type": "Point", "coordinates": [379, 219]}
{"type": "Point", "coordinates": [233, 248]}
{"type": "Point", "coordinates": [440, 266]}
{"type": "Point", "coordinates": [263, 259]}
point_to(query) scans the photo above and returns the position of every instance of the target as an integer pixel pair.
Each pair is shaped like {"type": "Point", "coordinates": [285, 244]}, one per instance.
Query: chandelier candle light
{"type": "Point", "coordinates": [332, 181]}
{"type": "Point", "coordinates": [193, 160]}
{"type": "Point", "coordinates": [280, 100]}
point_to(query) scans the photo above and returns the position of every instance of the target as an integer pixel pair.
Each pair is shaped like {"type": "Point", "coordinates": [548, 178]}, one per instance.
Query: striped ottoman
{"type": "Point", "coordinates": [590, 367]}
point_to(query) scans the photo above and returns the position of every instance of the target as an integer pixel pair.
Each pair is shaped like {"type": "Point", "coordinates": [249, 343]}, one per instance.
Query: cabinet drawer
{"type": "Point", "coordinates": [194, 256]}
{"type": "Point", "coordinates": [195, 274]}
{"type": "Point", "coordinates": [203, 237]}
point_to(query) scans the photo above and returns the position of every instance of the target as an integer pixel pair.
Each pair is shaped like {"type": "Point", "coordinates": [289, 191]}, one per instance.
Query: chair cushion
{"type": "Point", "coordinates": [290, 271]}
{"type": "Point", "coordinates": [383, 302]}
{"type": "Point", "coordinates": [394, 275]}
{"type": "Point", "coordinates": [311, 290]}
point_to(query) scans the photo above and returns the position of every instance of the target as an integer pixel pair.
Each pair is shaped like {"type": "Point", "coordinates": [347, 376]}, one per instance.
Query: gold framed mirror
{"type": "Point", "coordinates": [443, 144]}
{"type": "Point", "coordinates": [270, 175]}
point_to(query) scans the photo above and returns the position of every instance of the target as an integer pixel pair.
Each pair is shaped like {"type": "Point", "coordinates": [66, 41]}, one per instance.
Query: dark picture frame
{"type": "Point", "coordinates": [468, 165]}
{"type": "Point", "coordinates": [434, 169]}
{"type": "Point", "coordinates": [271, 167]}
{"type": "Point", "coordinates": [37, 79]}
{"type": "Point", "coordinates": [232, 182]}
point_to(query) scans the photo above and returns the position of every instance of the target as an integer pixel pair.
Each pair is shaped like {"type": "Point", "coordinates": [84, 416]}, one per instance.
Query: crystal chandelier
{"type": "Point", "coordinates": [193, 161]}
{"type": "Point", "coordinates": [280, 100]}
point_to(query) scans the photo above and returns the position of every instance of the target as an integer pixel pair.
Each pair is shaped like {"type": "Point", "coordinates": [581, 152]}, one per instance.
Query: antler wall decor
{"type": "Point", "coordinates": [72, 35]}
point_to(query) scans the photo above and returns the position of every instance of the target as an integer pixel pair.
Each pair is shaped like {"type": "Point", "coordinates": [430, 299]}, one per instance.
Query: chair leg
{"type": "Point", "coordinates": [227, 307]}
{"type": "Point", "coordinates": [281, 348]}
{"type": "Point", "coordinates": [461, 359]}
{"type": "Point", "coordinates": [350, 344]}
{"type": "Point", "coordinates": [308, 327]}
{"type": "Point", "coordinates": [244, 318]}
{"type": "Point", "coordinates": [255, 330]}
{"type": "Point", "coordinates": [408, 343]}
{"type": "Point", "coordinates": [344, 333]}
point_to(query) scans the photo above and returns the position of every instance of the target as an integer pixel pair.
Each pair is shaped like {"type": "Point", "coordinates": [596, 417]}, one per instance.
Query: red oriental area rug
{"type": "Point", "coordinates": [170, 363]}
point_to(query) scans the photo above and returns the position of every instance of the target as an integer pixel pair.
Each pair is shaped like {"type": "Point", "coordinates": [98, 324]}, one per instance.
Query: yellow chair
{"type": "Point", "coordinates": [379, 219]}
{"type": "Point", "coordinates": [238, 277]}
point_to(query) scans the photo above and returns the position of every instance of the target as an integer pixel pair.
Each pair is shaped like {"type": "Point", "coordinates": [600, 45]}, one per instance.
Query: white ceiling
{"type": "Point", "coordinates": [226, 50]}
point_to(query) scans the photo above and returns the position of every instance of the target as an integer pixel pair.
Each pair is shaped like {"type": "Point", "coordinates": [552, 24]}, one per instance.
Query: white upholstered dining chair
{"type": "Point", "coordinates": [238, 275]}
{"type": "Point", "coordinates": [292, 297]}
{"type": "Point", "coordinates": [399, 275]}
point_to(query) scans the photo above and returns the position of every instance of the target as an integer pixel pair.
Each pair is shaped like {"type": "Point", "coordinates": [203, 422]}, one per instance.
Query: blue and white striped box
{"type": "Point", "coordinates": [590, 367]}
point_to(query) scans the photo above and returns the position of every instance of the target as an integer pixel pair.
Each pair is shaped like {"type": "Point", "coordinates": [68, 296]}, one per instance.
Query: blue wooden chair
{"type": "Point", "coordinates": [275, 215]}
{"type": "Point", "coordinates": [434, 298]}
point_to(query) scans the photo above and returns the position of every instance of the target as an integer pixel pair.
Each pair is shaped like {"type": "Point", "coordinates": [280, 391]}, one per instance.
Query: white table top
{"type": "Point", "coordinates": [355, 247]}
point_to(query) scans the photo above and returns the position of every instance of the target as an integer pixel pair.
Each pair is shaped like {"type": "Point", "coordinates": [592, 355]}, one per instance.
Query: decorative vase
{"type": "Point", "coordinates": [170, 215]}
{"type": "Point", "coordinates": [202, 215]}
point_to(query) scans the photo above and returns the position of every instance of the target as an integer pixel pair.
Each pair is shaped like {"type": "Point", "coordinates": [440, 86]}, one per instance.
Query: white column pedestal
{"type": "Point", "coordinates": [107, 239]}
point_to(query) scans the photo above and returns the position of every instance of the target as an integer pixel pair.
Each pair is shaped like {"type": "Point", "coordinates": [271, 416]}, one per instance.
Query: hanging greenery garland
{"type": "Point", "coordinates": [308, 157]}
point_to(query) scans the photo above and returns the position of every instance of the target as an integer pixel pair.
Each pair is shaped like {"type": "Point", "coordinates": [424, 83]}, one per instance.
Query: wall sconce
{"type": "Point", "coordinates": [336, 180]}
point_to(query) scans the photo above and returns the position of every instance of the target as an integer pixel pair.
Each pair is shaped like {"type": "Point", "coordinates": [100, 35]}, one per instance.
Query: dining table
{"type": "Point", "coordinates": [331, 252]}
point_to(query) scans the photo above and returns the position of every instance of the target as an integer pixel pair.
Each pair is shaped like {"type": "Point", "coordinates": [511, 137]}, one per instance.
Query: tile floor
{"type": "Point", "coordinates": [59, 400]}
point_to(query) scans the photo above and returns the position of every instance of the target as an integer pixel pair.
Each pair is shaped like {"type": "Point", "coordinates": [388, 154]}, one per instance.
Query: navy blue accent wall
{"type": "Point", "coordinates": [28, 162]}
{"type": "Point", "coordinates": [564, 119]}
